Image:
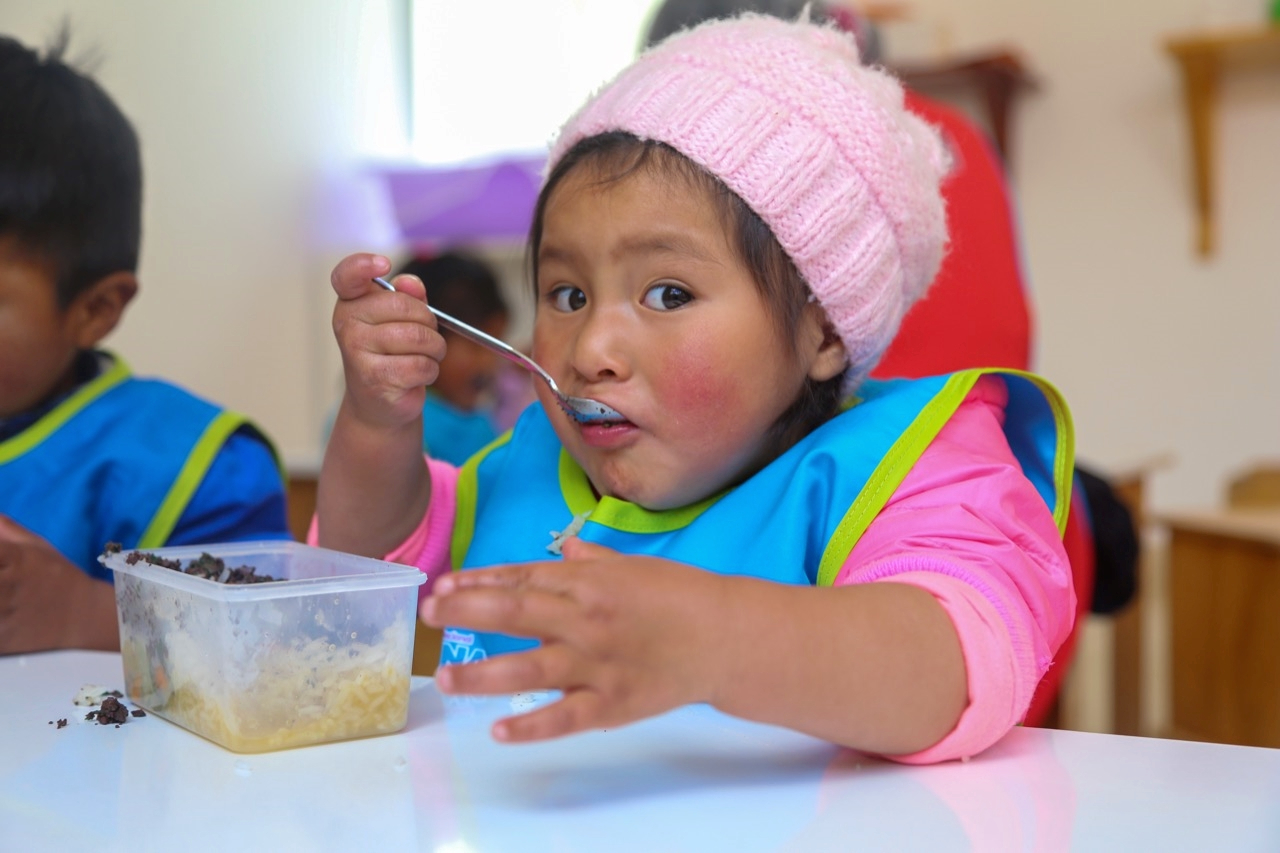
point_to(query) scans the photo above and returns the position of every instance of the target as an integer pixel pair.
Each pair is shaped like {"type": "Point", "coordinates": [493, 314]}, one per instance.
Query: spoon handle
{"type": "Point", "coordinates": [503, 349]}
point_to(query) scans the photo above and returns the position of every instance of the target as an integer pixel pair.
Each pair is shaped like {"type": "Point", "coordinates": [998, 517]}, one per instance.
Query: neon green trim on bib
{"type": "Point", "coordinates": [1064, 454]}
{"type": "Point", "coordinates": [464, 528]}
{"type": "Point", "coordinates": [891, 471]}
{"type": "Point", "coordinates": [215, 435]}
{"type": "Point", "coordinates": [30, 438]}
{"type": "Point", "coordinates": [622, 515]}
{"type": "Point", "coordinates": [906, 451]}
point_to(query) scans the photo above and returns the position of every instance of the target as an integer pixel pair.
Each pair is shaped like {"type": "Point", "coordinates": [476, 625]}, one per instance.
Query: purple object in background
{"type": "Point", "coordinates": [469, 203]}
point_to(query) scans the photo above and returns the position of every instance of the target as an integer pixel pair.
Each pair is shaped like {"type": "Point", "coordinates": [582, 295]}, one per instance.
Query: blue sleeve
{"type": "Point", "coordinates": [241, 497]}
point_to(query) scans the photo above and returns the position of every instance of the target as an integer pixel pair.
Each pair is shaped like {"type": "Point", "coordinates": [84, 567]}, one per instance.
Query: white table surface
{"type": "Point", "coordinates": [690, 780]}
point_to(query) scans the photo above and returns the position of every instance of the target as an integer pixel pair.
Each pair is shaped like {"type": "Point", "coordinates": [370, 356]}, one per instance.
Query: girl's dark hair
{"type": "Point", "coordinates": [614, 156]}
{"type": "Point", "coordinates": [460, 285]}
{"type": "Point", "coordinates": [70, 169]}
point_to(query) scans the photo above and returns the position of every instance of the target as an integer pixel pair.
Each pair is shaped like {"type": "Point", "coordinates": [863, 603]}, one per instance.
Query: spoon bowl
{"type": "Point", "coordinates": [582, 409]}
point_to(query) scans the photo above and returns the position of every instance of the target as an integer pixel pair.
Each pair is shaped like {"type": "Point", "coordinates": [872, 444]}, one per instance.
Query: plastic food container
{"type": "Point", "coordinates": [323, 654]}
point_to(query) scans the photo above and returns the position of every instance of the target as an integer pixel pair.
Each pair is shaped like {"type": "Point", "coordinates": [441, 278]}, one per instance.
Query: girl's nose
{"type": "Point", "coordinates": [600, 349]}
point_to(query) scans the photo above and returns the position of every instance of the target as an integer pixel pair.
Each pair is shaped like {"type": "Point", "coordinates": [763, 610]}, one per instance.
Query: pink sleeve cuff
{"type": "Point", "coordinates": [989, 669]}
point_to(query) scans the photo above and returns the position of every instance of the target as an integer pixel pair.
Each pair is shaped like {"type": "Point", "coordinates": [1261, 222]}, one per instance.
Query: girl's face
{"type": "Point", "coordinates": [644, 305]}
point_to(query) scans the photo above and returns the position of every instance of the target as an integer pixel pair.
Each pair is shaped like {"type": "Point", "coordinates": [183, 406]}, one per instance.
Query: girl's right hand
{"type": "Point", "coordinates": [391, 348]}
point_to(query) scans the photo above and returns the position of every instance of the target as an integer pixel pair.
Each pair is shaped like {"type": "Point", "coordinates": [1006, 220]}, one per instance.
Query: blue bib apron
{"type": "Point", "coordinates": [117, 461]}
{"type": "Point", "coordinates": [795, 521]}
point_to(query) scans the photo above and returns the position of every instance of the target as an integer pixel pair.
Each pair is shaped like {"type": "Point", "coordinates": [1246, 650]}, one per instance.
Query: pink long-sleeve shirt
{"type": "Point", "coordinates": [965, 525]}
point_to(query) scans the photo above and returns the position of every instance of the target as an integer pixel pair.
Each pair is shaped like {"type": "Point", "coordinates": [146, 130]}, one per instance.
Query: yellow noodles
{"type": "Point", "coordinates": [308, 693]}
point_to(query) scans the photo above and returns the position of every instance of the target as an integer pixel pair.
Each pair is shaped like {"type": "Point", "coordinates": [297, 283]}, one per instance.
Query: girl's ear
{"type": "Point", "coordinates": [97, 310]}
{"type": "Point", "coordinates": [831, 358]}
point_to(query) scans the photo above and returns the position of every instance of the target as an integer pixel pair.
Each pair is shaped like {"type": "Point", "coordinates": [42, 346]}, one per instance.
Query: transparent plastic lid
{"type": "Point", "coordinates": [298, 569]}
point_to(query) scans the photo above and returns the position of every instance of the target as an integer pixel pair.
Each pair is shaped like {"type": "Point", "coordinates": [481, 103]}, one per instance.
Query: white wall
{"type": "Point", "coordinates": [1156, 349]}
{"type": "Point", "coordinates": [248, 111]}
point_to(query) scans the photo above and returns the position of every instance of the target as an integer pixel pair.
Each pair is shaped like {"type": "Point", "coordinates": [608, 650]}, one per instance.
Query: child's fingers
{"type": "Point", "coordinates": [551, 666]}
{"type": "Point", "coordinates": [394, 337]}
{"type": "Point", "coordinates": [377, 307]}
{"type": "Point", "coordinates": [498, 576]}
{"type": "Point", "coordinates": [578, 711]}
{"type": "Point", "coordinates": [524, 612]}
{"type": "Point", "coordinates": [574, 548]}
{"type": "Point", "coordinates": [396, 374]}
{"type": "Point", "coordinates": [410, 285]}
{"type": "Point", "coordinates": [10, 554]}
{"type": "Point", "coordinates": [548, 576]}
{"type": "Point", "coordinates": [12, 531]}
{"type": "Point", "coordinates": [373, 369]}
{"type": "Point", "coordinates": [353, 276]}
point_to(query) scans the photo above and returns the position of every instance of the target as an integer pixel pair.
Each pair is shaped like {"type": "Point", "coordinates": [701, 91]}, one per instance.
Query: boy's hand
{"type": "Point", "coordinates": [46, 601]}
{"type": "Point", "coordinates": [623, 637]}
{"type": "Point", "coordinates": [391, 349]}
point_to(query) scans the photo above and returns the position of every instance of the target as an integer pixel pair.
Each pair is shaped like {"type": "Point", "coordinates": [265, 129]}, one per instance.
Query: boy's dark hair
{"type": "Point", "coordinates": [70, 169]}
{"type": "Point", "coordinates": [615, 155]}
{"type": "Point", "coordinates": [462, 286]}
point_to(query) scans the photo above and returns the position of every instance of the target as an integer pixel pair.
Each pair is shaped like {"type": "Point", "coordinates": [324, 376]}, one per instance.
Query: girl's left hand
{"type": "Point", "coordinates": [623, 637]}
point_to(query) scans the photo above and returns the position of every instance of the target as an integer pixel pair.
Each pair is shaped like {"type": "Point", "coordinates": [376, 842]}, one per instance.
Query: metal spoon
{"type": "Point", "coordinates": [582, 409]}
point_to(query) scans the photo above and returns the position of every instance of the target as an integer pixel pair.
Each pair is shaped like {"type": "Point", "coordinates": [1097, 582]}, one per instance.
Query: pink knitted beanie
{"type": "Point", "coordinates": [818, 145]}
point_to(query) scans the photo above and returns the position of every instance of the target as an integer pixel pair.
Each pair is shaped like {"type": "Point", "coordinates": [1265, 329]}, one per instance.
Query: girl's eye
{"type": "Point", "coordinates": [665, 297]}
{"type": "Point", "coordinates": [567, 299]}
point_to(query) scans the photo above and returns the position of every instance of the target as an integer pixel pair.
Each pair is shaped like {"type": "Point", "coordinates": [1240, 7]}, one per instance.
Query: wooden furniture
{"type": "Point", "coordinates": [1224, 576]}
{"type": "Point", "coordinates": [426, 649]}
{"type": "Point", "coordinates": [1202, 58]}
{"type": "Point", "coordinates": [300, 502]}
{"type": "Point", "coordinates": [691, 779]}
{"type": "Point", "coordinates": [1127, 625]}
{"type": "Point", "coordinates": [1259, 486]}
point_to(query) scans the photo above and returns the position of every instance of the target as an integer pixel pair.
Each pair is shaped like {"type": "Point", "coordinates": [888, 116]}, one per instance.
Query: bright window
{"type": "Point", "coordinates": [500, 77]}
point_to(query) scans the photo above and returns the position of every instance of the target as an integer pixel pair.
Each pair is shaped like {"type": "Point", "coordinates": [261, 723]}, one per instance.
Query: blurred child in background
{"type": "Point", "coordinates": [90, 454]}
{"type": "Point", "coordinates": [460, 415]}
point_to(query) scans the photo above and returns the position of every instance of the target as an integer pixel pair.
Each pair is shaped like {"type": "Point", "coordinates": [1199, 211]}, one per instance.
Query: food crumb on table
{"type": "Point", "coordinates": [93, 694]}
{"type": "Point", "coordinates": [110, 709]}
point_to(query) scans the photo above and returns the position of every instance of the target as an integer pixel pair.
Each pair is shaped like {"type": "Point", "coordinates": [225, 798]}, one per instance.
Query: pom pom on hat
{"type": "Point", "coordinates": [818, 145]}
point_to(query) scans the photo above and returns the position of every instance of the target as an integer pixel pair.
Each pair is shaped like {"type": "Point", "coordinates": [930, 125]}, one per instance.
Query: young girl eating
{"type": "Point", "coordinates": [727, 238]}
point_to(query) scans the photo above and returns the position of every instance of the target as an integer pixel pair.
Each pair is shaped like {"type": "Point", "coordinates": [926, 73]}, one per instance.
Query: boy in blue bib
{"type": "Point", "coordinates": [90, 454]}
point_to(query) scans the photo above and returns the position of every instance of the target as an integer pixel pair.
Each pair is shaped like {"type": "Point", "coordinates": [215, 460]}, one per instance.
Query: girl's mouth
{"type": "Point", "coordinates": [607, 434]}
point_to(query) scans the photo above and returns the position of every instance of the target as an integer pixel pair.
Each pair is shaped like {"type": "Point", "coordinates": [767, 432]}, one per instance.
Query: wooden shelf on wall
{"type": "Point", "coordinates": [1202, 58]}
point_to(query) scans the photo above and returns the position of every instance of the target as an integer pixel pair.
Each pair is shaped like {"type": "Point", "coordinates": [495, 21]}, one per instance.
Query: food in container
{"type": "Point", "coordinates": [320, 653]}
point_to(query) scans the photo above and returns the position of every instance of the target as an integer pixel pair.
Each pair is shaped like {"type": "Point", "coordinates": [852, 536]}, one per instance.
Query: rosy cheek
{"type": "Point", "coordinates": [695, 389]}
